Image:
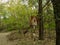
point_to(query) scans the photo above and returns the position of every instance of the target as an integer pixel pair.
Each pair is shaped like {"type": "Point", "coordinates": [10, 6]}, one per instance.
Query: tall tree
{"type": "Point", "coordinates": [40, 16]}
{"type": "Point", "coordinates": [56, 6]}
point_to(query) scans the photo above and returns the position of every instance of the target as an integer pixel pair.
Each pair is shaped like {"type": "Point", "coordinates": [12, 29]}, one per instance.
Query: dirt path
{"type": "Point", "coordinates": [4, 40]}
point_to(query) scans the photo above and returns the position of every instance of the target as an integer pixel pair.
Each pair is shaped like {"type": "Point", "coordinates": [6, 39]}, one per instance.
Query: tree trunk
{"type": "Point", "coordinates": [40, 23]}
{"type": "Point", "coordinates": [56, 6]}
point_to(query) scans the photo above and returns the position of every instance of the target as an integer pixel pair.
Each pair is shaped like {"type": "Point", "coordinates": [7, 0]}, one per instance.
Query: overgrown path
{"type": "Point", "coordinates": [4, 39]}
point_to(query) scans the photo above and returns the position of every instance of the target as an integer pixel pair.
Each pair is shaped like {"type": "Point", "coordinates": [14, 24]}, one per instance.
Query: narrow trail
{"type": "Point", "coordinates": [4, 39]}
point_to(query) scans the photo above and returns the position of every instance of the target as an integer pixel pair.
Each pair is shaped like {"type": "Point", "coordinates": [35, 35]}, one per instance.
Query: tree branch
{"type": "Point", "coordinates": [46, 3]}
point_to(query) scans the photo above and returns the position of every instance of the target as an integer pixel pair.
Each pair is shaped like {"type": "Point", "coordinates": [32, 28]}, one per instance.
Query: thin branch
{"type": "Point", "coordinates": [46, 3]}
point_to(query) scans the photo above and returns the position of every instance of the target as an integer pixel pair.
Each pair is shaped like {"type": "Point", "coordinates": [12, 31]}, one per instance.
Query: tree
{"type": "Point", "coordinates": [40, 17]}
{"type": "Point", "coordinates": [56, 6]}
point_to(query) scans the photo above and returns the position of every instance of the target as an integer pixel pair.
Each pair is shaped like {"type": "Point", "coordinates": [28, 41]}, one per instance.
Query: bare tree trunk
{"type": "Point", "coordinates": [56, 6]}
{"type": "Point", "coordinates": [40, 23]}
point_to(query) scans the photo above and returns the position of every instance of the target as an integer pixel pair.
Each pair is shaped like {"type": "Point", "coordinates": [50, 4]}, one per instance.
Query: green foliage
{"type": "Point", "coordinates": [17, 16]}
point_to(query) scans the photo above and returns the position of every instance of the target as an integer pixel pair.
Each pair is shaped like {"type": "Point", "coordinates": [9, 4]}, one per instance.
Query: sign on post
{"type": "Point", "coordinates": [33, 21]}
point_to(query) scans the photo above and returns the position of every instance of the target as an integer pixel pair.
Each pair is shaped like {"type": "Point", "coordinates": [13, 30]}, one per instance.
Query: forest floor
{"type": "Point", "coordinates": [6, 38]}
